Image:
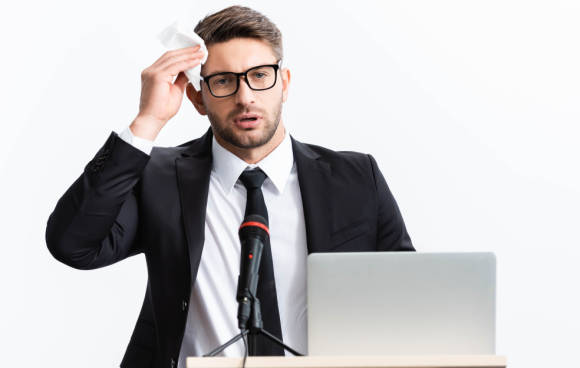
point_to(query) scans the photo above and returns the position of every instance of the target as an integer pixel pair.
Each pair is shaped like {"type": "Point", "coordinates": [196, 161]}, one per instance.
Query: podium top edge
{"type": "Point", "coordinates": [348, 361]}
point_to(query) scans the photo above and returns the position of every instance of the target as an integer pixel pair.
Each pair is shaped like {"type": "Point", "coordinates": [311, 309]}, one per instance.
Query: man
{"type": "Point", "coordinates": [182, 206]}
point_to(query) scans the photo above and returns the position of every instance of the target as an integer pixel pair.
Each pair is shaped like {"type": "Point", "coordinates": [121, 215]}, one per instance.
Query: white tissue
{"type": "Point", "coordinates": [179, 35]}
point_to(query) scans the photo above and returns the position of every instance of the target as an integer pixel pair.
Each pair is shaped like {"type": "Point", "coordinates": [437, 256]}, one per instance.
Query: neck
{"type": "Point", "coordinates": [254, 155]}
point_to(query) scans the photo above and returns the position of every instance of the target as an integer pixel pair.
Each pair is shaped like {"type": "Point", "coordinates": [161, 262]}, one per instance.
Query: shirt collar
{"type": "Point", "coordinates": [277, 165]}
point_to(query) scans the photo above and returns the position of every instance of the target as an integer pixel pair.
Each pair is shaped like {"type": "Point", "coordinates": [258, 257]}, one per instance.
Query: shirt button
{"type": "Point", "coordinates": [184, 305]}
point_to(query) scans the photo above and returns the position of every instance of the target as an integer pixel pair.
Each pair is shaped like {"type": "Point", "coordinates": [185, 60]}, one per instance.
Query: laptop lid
{"type": "Point", "coordinates": [401, 303]}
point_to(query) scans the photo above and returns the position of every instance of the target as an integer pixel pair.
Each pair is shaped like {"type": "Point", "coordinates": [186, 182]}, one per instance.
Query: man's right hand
{"type": "Point", "coordinates": [161, 96]}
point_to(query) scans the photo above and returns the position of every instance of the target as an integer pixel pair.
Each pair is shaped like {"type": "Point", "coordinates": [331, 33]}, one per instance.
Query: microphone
{"type": "Point", "coordinates": [253, 234]}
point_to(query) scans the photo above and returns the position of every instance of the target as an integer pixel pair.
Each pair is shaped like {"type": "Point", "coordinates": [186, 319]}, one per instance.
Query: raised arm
{"type": "Point", "coordinates": [95, 222]}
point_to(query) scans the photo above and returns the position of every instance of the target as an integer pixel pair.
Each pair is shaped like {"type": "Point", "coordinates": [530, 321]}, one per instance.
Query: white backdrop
{"type": "Point", "coordinates": [470, 108]}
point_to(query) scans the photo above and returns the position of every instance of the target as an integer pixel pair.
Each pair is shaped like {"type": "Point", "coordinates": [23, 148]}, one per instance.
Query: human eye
{"type": "Point", "coordinates": [221, 80]}
{"type": "Point", "coordinates": [260, 73]}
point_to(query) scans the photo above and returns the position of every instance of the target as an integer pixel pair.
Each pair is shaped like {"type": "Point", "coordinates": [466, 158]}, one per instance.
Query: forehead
{"type": "Point", "coordinates": [237, 55]}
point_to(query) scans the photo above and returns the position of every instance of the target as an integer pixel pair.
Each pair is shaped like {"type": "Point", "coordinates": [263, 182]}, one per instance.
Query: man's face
{"type": "Point", "coordinates": [238, 55]}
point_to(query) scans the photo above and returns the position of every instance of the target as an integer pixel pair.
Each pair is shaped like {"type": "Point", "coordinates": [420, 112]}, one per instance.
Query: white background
{"type": "Point", "coordinates": [470, 108]}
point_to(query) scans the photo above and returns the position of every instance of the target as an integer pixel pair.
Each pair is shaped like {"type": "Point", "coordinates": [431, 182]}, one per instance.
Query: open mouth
{"type": "Point", "coordinates": [247, 122]}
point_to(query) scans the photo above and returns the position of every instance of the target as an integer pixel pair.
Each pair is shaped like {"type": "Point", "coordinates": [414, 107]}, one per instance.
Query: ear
{"type": "Point", "coordinates": [196, 98]}
{"type": "Point", "coordinates": [285, 72]}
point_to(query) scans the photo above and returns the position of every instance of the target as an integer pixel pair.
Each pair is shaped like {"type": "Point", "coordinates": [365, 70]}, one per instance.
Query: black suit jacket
{"type": "Point", "coordinates": [126, 202]}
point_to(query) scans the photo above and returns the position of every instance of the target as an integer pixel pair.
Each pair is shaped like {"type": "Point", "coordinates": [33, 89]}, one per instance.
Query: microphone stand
{"type": "Point", "coordinates": [256, 328]}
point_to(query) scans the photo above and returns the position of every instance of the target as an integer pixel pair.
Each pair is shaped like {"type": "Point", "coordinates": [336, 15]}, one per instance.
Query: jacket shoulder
{"type": "Point", "coordinates": [358, 162]}
{"type": "Point", "coordinates": [333, 154]}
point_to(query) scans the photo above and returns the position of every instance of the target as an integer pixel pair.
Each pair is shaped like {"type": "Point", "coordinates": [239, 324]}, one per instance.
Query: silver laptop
{"type": "Point", "coordinates": [401, 303]}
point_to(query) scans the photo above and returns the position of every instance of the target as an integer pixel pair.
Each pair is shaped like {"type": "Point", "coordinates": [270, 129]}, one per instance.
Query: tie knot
{"type": "Point", "coordinates": [253, 179]}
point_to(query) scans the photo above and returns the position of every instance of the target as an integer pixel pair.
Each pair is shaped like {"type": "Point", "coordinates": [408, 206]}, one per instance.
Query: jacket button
{"type": "Point", "coordinates": [184, 305]}
{"type": "Point", "coordinates": [172, 363]}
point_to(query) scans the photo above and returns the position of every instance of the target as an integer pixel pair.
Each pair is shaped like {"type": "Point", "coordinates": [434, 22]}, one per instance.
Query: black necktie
{"type": "Point", "coordinates": [255, 205]}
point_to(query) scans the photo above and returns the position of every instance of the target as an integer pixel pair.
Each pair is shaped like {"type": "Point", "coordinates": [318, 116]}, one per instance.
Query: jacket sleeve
{"type": "Point", "coordinates": [94, 223]}
{"type": "Point", "coordinates": [391, 231]}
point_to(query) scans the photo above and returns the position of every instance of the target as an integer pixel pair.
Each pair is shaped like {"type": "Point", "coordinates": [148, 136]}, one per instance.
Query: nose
{"type": "Point", "coordinates": [244, 95]}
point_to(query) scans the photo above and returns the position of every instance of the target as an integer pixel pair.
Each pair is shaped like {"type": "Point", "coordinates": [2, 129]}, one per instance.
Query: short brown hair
{"type": "Point", "coordinates": [239, 21]}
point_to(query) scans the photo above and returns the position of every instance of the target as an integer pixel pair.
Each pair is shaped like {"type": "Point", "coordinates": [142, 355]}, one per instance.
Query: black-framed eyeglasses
{"type": "Point", "coordinates": [258, 78]}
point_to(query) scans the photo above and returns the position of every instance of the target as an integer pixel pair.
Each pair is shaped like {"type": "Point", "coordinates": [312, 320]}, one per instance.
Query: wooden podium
{"type": "Point", "coordinates": [392, 361]}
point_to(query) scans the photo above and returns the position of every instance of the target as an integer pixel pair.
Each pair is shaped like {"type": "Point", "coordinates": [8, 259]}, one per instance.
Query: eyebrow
{"type": "Point", "coordinates": [229, 71]}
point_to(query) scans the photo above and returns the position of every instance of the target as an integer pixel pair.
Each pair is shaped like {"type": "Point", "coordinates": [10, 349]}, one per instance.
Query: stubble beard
{"type": "Point", "coordinates": [231, 134]}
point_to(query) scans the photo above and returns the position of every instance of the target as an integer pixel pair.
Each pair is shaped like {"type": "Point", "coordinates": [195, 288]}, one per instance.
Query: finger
{"type": "Point", "coordinates": [179, 66]}
{"type": "Point", "coordinates": [194, 48]}
{"type": "Point", "coordinates": [178, 58]}
{"type": "Point", "coordinates": [172, 54]}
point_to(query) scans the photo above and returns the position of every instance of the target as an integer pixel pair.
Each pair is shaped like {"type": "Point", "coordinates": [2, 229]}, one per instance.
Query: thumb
{"type": "Point", "coordinates": [181, 81]}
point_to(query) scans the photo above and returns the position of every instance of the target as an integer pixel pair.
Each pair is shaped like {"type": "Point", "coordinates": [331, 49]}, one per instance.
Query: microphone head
{"type": "Point", "coordinates": [254, 224]}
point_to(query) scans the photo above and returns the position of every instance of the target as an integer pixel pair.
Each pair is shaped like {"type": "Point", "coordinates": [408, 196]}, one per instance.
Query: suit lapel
{"type": "Point", "coordinates": [314, 178]}
{"type": "Point", "coordinates": [193, 173]}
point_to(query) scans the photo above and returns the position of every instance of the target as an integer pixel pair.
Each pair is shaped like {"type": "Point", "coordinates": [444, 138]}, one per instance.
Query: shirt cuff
{"type": "Point", "coordinates": [144, 145]}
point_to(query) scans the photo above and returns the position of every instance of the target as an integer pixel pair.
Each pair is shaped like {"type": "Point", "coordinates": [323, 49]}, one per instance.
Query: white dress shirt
{"type": "Point", "coordinates": [212, 316]}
